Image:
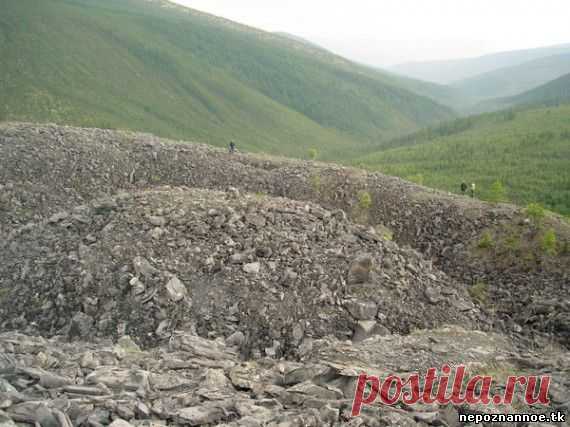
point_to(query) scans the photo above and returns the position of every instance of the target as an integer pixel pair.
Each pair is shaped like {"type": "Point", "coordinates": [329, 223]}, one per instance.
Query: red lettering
{"type": "Point", "coordinates": [413, 396]}
{"type": "Point", "coordinates": [542, 396]}
{"type": "Point", "coordinates": [442, 388]}
{"type": "Point", "coordinates": [428, 386]}
{"type": "Point", "coordinates": [511, 387]}
{"type": "Point", "coordinates": [456, 397]}
{"type": "Point", "coordinates": [385, 392]}
{"type": "Point", "coordinates": [484, 396]}
{"type": "Point", "coordinates": [359, 398]}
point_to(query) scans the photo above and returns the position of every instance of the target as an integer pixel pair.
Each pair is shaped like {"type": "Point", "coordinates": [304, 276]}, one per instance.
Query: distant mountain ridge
{"type": "Point", "coordinates": [449, 71]}
{"type": "Point", "coordinates": [517, 79]}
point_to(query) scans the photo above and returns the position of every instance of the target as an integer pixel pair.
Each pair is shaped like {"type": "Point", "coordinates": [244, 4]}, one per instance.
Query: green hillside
{"type": "Point", "coordinates": [179, 73]}
{"type": "Point", "coordinates": [552, 93]}
{"type": "Point", "coordinates": [514, 80]}
{"type": "Point", "coordinates": [528, 151]}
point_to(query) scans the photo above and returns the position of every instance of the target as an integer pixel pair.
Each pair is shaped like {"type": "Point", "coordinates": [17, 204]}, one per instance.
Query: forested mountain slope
{"type": "Point", "coordinates": [154, 66]}
{"type": "Point", "coordinates": [551, 93]}
{"type": "Point", "coordinates": [528, 151]}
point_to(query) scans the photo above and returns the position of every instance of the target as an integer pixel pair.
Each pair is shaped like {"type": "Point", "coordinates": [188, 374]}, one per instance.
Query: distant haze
{"type": "Point", "coordinates": [388, 32]}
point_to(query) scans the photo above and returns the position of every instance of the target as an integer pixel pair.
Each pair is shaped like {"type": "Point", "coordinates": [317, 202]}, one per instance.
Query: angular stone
{"type": "Point", "coordinates": [85, 390]}
{"type": "Point", "coordinates": [200, 415]}
{"type": "Point", "coordinates": [176, 289]}
{"type": "Point", "coordinates": [238, 258]}
{"type": "Point", "coordinates": [245, 376]}
{"type": "Point", "coordinates": [120, 423]}
{"type": "Point", "coordinates": [157, 221]}
{"type": "Point", "coordinates": [143, 267]}
{"type": "Point", "coordinates": [53, 381]}
{"type": "Point", "coordinates": [142, 411]}
{"type": "Point", "coordinates": [252, 268]}
{"type": "Point", "coordinates": [361, 310]}
{"type": "Point", "coordinates": [310, 389]}
{"type": "Point", "coordinates": [368, 328]}
{"type": "Point", "coordinates": [236, 339]}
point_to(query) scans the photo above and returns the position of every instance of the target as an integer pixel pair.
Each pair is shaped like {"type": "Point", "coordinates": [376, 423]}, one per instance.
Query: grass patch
{"type": "Point", "coordinates": [364, 200]}
{"type": "Point", "coordinates": [549, 243]}
{"type": "Point", "coordinates": [479, 292]}
{"type": "Point", "coordinates": [536, 213]}
{"type": "Point", "coordinates": [486, 241]}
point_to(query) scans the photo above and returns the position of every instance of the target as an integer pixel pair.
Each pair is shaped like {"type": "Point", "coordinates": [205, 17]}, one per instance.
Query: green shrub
{"type": "Point", "coordinates": [313, 153]}
{"type": "Point", "coordinates": [364, 200]}
{"type": "Point", "coordinates": [486, 241]}
{"type": "Point", "coordinates": [536, 213]}
{"type": "Point", "coordinates": [316, 182]}
{"type": "Point", "coordinates": [497, 193]}
{"type": "Point", "coordinates": [479, 292]}
{"type": "Point", "coordinates": [549, 245]}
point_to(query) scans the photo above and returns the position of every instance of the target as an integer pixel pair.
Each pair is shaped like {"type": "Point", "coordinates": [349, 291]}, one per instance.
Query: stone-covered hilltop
{"type": "Point", "coordinates": [268, 271]}
{"type": "Point", "coordinates": [155, 281]}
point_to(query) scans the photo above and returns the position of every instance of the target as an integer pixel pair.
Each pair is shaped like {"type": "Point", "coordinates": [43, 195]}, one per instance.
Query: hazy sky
{"type": "Point", "coordinates": [384, 32]}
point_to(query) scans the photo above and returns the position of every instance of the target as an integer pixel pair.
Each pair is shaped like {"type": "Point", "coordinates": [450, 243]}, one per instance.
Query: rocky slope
{"type": "Point", "coordinates": [256, 288]}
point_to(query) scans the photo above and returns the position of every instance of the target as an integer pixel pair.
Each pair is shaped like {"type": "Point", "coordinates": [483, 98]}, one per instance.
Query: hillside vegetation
{"type": "Point", "coordinates": [157, 67]}
{"type": "Point", "coordinates": [527, 151]}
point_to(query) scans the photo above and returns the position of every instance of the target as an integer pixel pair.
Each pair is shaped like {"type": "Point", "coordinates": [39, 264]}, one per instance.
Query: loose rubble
{"type": "Point", "coordinates": [274, 270]}
{"type": "Point", "coordinates": [146, 282]}
{"type": "Point", "coordinates": [193, 381]}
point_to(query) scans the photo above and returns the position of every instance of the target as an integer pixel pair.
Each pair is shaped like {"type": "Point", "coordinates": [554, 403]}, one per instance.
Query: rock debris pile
{"type": "Point", "coordinates": [151, 283]}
